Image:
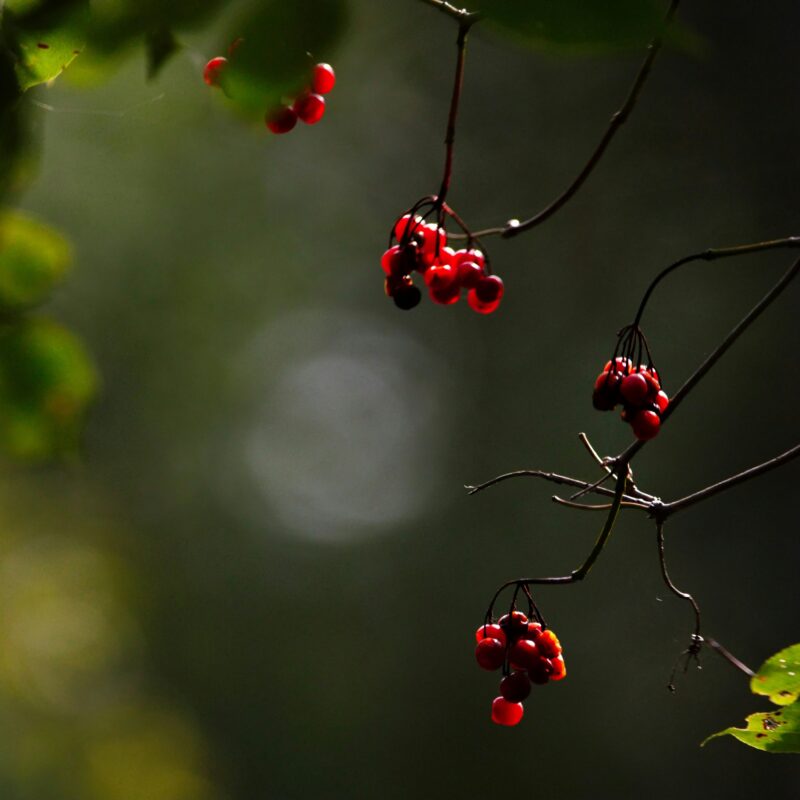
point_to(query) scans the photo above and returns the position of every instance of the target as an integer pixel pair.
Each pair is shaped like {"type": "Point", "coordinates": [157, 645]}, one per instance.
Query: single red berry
{"type": "Point", "coordinates": [606, 391]}
{"type": "Point", "coordinates": [548, 644]}
{"type": "Point", "coordinates": [490, 653]}
{"type": "Point", "coordinates": [310, 108]}
{"type": "Point", "coordinates": [516, 686]}
{"type": "Point", "coordinates": [540, 673]}
{"type": "Point", "coordinates": [476, 256]}
{"type": "Point", "coordinates": [469, 274]}
{"type": "Point", "coordinates": [534, 629]}
{"type": "Point", "coordinates": [434, 240]}
{"type": "Point", "coordinates": [281, 119]}
{"type": "Point", "coordinates": [523, 654]}
{"type": "Point", "coordinates": [324, 79]}
{"type": "Point", "coordinates": [446, 255]}
{"type": "Point", "coordinates": [404, 227]}
{"type": "Point", "coordinates": [407, 296]}
{"type": "Point", "coordinates": [559, 669]}
{"type": "Point", "coordinates": [662, 401]}
{"type": "Point", "coordinates": [653, 384]}
{"type": "Point", "coordinates": [514, 624]}
{"type": "Point", "coordinates": [505, 713]}
{"type": "Point", "coordinates": [646, 425]}
{"type": "Point", "coordinates": [393, 261]}
{"type": "Point", "coordinates": [441, 277]}
{"type": "Point", "coordinates": [213, 70]}
{"type": "Point", "coordinates": [634, 388]}
{"type": "Point", "coordinates": [486, 296]}
{"type": "Point", "coordinates": [445, 297]}
{"type": "Point", "coordinates": [492, 631]}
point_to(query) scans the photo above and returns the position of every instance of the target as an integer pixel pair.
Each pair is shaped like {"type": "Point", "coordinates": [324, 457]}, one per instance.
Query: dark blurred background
{"type": "Point", "coordinates": [263, 576]}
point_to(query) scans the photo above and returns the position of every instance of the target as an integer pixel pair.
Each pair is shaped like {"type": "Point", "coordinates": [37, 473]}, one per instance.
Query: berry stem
{"type": "Point", "coordinates": [714, 255]}
{"type": "Point", "coordinates": [618, 119]}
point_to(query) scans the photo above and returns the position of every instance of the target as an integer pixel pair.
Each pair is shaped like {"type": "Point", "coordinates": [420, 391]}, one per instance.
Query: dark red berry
{"type": "Point", "coordinates": [514, 624]}
{"type": "Point", "coordinates": [407, 297]}
{"type": "Point", "coordinates": [505, 713]}
{"type": "Point", "coordinates": [213, 70]}
{"type": "Point", "coordinates": [490, 654]}
{"type": "Point", "coordinates": [534, 629]}
{"type": "Point", "coordinates": [516, 686]}
{"type": "Point", "coordinates": [324, 79]}
{"type": "Point", "coordinates": [476, 256]}
{"type": "Point", "coordinates": [493, 631]}
{"type": "Point", "coordinates": [441, 277]}
{"type": "Point", "coordinates": [393, 261]}
{"type": "Point", "coordinates": [310, 108]}
{"type": "Point", "coordinates": [623, 365]}
{"type": "Point", "coordinates": [646, 425]}
{"type": "Point", "coordinates": [548, 644]}
{"type": "Point", "coordinates": [540, 673]}
{"type": "Point", "coordinates": [558, 669]}
{"type": "Point", "coordinates": [523, 654]}
{"type": "Point", "coordinates": [606, 391]}
{"type": "Point", "coordinates": [281, 119]}
{"type": "Point", "coordinates": [404, 227]}
{"type": "Point", "coordinates": [486, 296]}
{"type": "Point", "coordinates": [469, 274]}
{"type": "Point", "coordinates": [446, 296]}
{"type": "Point", "coordinates": [634, 388]}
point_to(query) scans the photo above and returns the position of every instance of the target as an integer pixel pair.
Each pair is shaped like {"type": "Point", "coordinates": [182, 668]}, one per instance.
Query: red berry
{"type": "Point", "coordinates": [393, 261]}
{"type": "Point", "coordinates": [469, 274]}
{"type": "Point", "coordinates": [606, 391]}
{"type": "Point", "coordinates": [558, 669]}
{"type": "Point", "coordinates": [281, 119]}
{"type": "Point", "coordinates": [446, 255]}
{"type": "Point", "coordinates": [324, 79]}
{"type": "Point", "coordinates": [310, 108]}
{"type": "Point", "coordinates": [213, 70]}
{"type": "Point", "coordinates": [523, 654]}
{"type": "Point", "coordinates": [548, 644]}
{"type": "Point", "coordinates": [623, 365]}
{"type": "Point", "coordinates": [540, 673]}
{"type": "Point", "coordinates": [493, 631]}
{"type": "Point", "coordinates": [486, 296]}
{"type": "Point", "coordinates": [476, 256]}
{"type": "Point", "coordinates": [662, 401]}
{"type": "Point", "coordinates": [516, 686]}
{"type": "Point", "coordinates": [646, 425]}
{"type": "Point", "coordinates": [445, 297]}
{"type": "Point", "coordinates": [407, 296]}
{"type": "Point", "coordinates": [441, 277]}
{"type": "Point", "coordinates": [405, 226]}
{"type": "Point", "coordinates": [534, 629]}
{"type": "Point", "coordinates": [490, 654]}
{"type": "Point", "coordinates": [634, 389]}
{"type": "Point", "coordinates": [505, 713]}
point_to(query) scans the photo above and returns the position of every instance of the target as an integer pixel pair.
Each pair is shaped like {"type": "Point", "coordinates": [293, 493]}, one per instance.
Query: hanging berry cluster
{"type": "Point", "coordinates": [307, 105]}
{"type": "Point", "coordinates": [636, 388]}
{"type": "Point", "coordinates": [528, 653]}
{"type": "Point", "coordinates": [422, 247]}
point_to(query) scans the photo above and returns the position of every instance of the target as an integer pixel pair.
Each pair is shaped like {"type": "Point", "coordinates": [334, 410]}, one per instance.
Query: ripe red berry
{"type": "Point", "coordinates": [646, 425]}
{"type": "Point", "coordinates": [534, 629]}
{"type": "Point", "coordinates": [434, 240]}
{"type": "Point", "coordinates": [441, 278]}
{"type": "Point", "coordinates": [540, 673]}
{"type": "Point", "coordinates": [476, 256]}
{"type": "Point", "coordinates": [606, 391]}
{"type": "Point", "coordinates": [394, 261]}
{"type": "Point", "coordinates": [493, 631]}
{"type": "Point", "coordinates": [310, 108]}
{"type": "Point", "coordinates": [558, 669]}
{"type": "Point", "coordinates": [213, 70]}
{"type": "Point", "coordinates": [623, 365]}
{"type": "Point", "coordinates": [548, 644]}
{"type": "Point", "coordinates": [514, 624]}
{"type": "Point", "coordinates": [490, 654]}
{"type": "Point", "coordinates": [634, 388]}
{"type": "Point", "coordinates": [662, 401]}
{"type": "Point", "coordinates": [505, 713]}
{"type": "Point", "coordinates": [516, 686]}
{"type": "Point", "coordinates": [469, 274]}
{"type": "Point", "coordinates": [324, 79]}
{"type": "Point", "coordinates": [404, 227]}
{"type": "Point", "coordinates": [281, 119]}
{"type": "Point", "coordinates": [486, 296]}
{"type": "Point", "coordinates": [523, 654]}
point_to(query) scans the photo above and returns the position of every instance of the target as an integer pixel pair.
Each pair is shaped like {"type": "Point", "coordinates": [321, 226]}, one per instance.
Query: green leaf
{"type": "Point", "coordinates": [46, 384]}
{"type": "Point", "coordinates": [779, 677]}
{"type": "Point", "coordinates": [576, 25]}
{"type": "Point", "coordinates": [279, 44]}
{"type": "Point", "coordinates": [772, 731]}
{"type": "Point", "coordinates": [33, 258]}
{"type": "Point", "coordinates": [160, 46]}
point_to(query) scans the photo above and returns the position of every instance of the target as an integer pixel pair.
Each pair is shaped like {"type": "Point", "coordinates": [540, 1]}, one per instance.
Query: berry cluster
{"type": "Point", "coordinates": [528, 653]}
{"type": "Point", "coordinates": [422, 247]}
{"type": "Point", "coordinates": [308, 105]}
{"type": "Point", "coordinates": [639, 391]}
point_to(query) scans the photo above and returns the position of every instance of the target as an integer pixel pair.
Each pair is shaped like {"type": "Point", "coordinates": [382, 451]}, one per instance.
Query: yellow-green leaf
{"type": "Point", "coordinates": [779, 677]}
{"type": "Point", "coordinates": [772, 731]}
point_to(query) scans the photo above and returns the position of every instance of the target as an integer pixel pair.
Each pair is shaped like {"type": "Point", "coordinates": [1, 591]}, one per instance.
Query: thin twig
{"type": "Point", "coordinates": [618, 119]}
{"type": "Point", "coordinates": [670, 585]}
{"type": "Point", "coordinates": [458, 14]}
{"type": "Point", "coordinates": [601, 507]}
{"type": "Point", "coordinates": [729, 657]}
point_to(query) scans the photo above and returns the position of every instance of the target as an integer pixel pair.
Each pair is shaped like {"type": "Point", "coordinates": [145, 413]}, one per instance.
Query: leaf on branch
{"type": "Point", "coordinates": [577, 25]}
{"type": "Point", "coordinates": [33, 258]}
{"type": "Point", "coordinates": [47, 382]}
{"type": "Point", "coordinates": [776, 731]}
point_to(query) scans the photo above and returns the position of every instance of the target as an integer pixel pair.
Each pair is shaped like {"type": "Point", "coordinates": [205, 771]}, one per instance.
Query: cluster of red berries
{"type": "Point", "coordinates": [308, 106]}
{"type": "Point", "coordinates": [527, 652]}
{"type": "Point", "coordinates": [422, 247]}
{"type": "Point", "coordinates": [639, 391]}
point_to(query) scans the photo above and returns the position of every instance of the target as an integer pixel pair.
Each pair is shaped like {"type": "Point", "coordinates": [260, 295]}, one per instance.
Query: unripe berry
{"type": "Point", "coordinates": [324, 79]}
{"type": "Point", "coordinates": [213, 70]}
{"type": "Point", "coordinates": [493, 631]}
{"type": "Point", "coordinates": [310, 108]}
{"type": "Point", "coordinates": [505, 713]}
{"type": "Point", "coordinates": [516, 686]}
{"type": "Point", "coordinates": [646, 425]}
{"type": "Point", "coordinates": [548, 644]}
{"type": "Point", "coordinates": [490, 654]}
{"type": "Point", "coordinates": [634, 388]}
{"type": "Point", "coordinates": [281, 119]}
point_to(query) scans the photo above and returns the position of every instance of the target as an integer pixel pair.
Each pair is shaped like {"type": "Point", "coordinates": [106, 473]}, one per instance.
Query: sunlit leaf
{"type": "Point", "coordinates": [33, 257]}
{"type": "Point", "coordinates": [779, 677]}
{"type": "Point", "coordinates": [772, 731]}
{"type": "Point", "coordinates": [46, 383]}
{"type": "Point", "coordinates": [279, 43]}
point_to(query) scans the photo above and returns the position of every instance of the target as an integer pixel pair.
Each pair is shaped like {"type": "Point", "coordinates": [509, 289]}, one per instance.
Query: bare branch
{"type": "Point", "coordinates": [458, 14]}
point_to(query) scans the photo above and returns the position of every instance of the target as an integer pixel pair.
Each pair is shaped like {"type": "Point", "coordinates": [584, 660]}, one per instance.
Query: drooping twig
{"type": "Point", "coordinates": [458, 14]}
{"type": "Point", "coordinates": [667, 580]}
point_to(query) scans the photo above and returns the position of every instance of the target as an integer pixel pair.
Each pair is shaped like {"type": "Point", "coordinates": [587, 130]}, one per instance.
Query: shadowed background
{"type": "Point", "coordinates": [263, 577]}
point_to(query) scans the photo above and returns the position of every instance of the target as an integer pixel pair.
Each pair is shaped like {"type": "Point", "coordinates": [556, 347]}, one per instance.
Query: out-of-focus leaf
{"type": "Point", "coordinates": [160, 46]}
{"type": "Point", "coordinates": [576, 25]}
{"type": "Point", "coordinates": [779, 677]}
{"type": "Point", "coordinates": [46, 383]}
{"type": "Point", "coordinates": [12, 136]}
{"type": "Point", "coordinates": [773, 731]}
{"type": "Point", "coordinates": [279, 44]}
{"type": "Point", "coordinates": [33, 258]}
